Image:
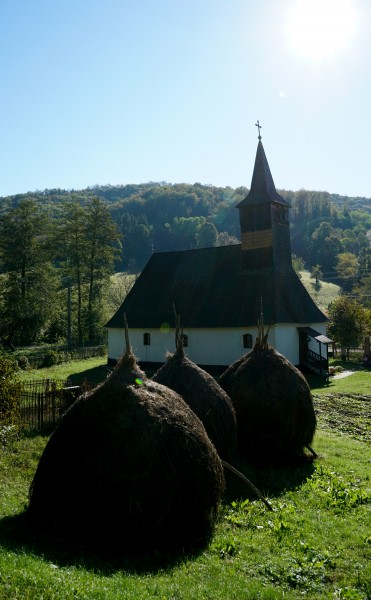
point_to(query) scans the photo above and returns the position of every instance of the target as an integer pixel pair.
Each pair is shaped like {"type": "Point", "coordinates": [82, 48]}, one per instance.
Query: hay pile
{"type": "Point", "coordinates": [129, 466]}
{"type": "Point", "coordinates": [205, 397]}
{"type": "Point", "coordinates": [273, 404]}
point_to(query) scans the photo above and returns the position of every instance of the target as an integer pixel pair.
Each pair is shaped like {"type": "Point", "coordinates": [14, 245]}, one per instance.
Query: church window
{"type": "Point", "coordinates": [247, 340]}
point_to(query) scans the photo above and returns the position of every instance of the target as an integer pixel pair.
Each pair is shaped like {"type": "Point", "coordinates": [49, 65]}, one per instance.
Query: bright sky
{"type": "Point", "coordinates": [130, 91]}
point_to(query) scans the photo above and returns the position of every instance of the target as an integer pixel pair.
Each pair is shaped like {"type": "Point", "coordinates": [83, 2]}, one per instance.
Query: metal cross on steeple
{"type": "Point", "coordinates": [257, 124]}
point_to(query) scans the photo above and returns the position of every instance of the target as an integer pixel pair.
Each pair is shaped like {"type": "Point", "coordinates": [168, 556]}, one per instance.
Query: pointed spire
{"type": "Point", "coordinates": [262, 188]}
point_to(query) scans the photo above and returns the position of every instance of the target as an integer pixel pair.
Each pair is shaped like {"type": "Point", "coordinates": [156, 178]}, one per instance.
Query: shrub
{"type": "Point", "coordinates": [52, 357]}
{"type": "Point", "coordinates": [10, 392]}
{"type": "Point", "coordinates": [23, 362]}
{"type": "Point", "coordinates": [8, 435]}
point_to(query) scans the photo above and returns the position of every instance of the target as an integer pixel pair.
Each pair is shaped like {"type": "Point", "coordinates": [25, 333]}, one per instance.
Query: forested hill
{"type": "Point", "coordinates": [162, 216]}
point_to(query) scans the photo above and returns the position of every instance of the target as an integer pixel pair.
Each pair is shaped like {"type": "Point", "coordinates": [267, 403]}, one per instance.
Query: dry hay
{"type": "Point", "coordinates": [273, 404]}
{"type": "Point", "coordinates": [205, 397]}
{"type": "Point", "coordinates": [129, 466]}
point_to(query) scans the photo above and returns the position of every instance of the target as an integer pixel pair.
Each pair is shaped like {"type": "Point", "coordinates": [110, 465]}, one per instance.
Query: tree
{"type": "Point", "coordinates": [206, 235]}
{"type": "Point", "coordinates": [362, 291]}
{"type": "Point", "coordinates": [89, 242]}
{"type": "Point", "coordinates": [364, 263]}
{"type": "Point", "coordinates": [73, 254]}
{"type": "Point", "coordinates": [347, 323]}
{"type": "Point", "coordinates": [29, 279]}
{"type": "Point", "coordinates": [346, 269]}
{"type": "Point", "coordinates": [225, 239]}
{"type": "Point", "coordinates": [181, 232]}
{"type": "Point", "coordinates": [316, 274]}
{"type": "Point", "coordinates": [326, 246]}
{"type": "Point", "coordinates": [298, 264]}
{"type": "Point", "coordinates": [104, 245]}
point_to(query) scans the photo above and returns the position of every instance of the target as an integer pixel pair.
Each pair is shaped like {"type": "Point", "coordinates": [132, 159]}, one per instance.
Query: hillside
{"type": "Point", "coordinates": [158, 217]}
{"type": "Point", "coordinates": [324, 295]}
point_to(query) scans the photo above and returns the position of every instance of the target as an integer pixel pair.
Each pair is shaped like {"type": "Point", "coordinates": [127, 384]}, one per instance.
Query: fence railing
{"type": "Point", "coordinates": [36, 360]}
{"type": "Point", "coordinates": [44, 401]}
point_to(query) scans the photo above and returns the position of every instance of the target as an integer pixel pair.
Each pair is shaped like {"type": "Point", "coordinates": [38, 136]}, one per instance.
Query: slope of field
{"type": "Point", "coordinates": [323, 294]}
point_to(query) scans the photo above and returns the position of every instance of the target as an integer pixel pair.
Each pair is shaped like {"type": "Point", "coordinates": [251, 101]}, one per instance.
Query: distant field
{"type": "Point", "coordinates": [326, 293]}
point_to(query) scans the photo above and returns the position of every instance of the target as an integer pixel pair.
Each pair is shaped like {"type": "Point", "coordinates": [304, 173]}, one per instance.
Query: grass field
{"type": "Point", "coordinates": [315, 544]}
{"type": "Point", "coordinates": [324, 294]}
{"type": "Point", "coordinates": [93, 370]}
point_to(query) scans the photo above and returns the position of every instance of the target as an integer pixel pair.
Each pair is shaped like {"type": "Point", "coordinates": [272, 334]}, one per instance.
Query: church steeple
{"type": "Point", "coordinates": [265, 229]}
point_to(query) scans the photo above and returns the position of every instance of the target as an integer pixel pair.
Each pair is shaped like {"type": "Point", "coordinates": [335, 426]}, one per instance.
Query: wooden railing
{"type": "Point", "coordinates": [317, 363]}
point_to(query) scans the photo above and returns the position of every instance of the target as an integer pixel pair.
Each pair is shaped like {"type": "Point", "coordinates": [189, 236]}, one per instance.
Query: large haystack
{"type": "Point", "coordinates": [273, 404]}
{"type": "Point", "coordinates": [129, 466]}
{"type": "Point", "coordinates": [205, 397]}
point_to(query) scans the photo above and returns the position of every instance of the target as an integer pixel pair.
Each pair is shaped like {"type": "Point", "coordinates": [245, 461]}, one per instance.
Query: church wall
{"type": "Point", "coordinates": [287, 340]}
{"type": "Point", "coordinates": [205, 347]}
{"type": "Point", "coordinates": [211, 347]}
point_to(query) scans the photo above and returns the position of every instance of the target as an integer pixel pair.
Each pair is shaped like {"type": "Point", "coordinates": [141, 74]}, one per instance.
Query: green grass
{"type": "Point", "coordinates": [359, 382]}
{"type": "Point", "coordinates": [326, 292]}
{"type": "Point", "coordinates": [315, 544]}
{"type": "Point", "coordinates": [93, 370]}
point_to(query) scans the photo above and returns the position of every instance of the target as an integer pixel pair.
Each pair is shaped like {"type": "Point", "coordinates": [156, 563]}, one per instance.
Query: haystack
{"type": "Point", "coordinates": [273, 404]}
{"type": "Point", "coordinates": [129, 466]}
{"type": "Point", "coordinates": [204, 396]}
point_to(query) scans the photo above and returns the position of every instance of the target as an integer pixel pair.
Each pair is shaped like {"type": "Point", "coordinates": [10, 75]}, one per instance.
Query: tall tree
{"type": "Point", "coordinates": [103, 241]}
{"type": "Point", "coordinates": [89, 242]}
{"type": "Point", "coordinates": [29, 278]}
{"type": "Point", "coordinates": [73, 254]}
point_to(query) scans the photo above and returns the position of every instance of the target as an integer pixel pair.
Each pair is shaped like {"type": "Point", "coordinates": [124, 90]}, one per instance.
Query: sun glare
{"type": "Point", "coordinates": [319, 30]}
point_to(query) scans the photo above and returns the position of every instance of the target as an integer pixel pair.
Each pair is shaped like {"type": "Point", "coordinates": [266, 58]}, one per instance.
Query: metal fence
{"type": "Point", "coordinates": [44, 401]}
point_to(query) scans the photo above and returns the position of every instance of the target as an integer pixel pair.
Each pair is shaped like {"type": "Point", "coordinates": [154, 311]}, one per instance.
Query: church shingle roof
{"type": "Point", "coordinates": [210, 288]}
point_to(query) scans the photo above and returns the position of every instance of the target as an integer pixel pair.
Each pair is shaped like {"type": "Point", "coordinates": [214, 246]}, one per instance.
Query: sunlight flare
{"type": "Point", "coordinates": [319, 30]}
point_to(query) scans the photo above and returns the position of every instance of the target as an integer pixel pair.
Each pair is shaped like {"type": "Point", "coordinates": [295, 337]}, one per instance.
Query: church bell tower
{"type": "Point", "coordinates": [264, 220]}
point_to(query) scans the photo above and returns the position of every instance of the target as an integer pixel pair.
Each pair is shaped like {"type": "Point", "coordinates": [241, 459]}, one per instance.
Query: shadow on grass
{"type": "Point", "coordinates": [316, 382]}
{"type": "Point", "coordinates": [17, 535]}
{"type": "Point", "coordinates": [271, 481]}
{"type": "Point", "coordinates": [95, 375]}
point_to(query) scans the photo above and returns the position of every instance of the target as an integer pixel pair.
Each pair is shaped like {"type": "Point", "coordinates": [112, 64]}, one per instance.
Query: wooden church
{"type": "Point", "coordinates": [218, 293]}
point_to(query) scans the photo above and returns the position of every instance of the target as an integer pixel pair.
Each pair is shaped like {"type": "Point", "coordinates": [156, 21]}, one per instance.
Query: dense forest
{"type": "Point", "coordinates": [157, 217]}
{"type": "Point", "coordinates": [76, 239]}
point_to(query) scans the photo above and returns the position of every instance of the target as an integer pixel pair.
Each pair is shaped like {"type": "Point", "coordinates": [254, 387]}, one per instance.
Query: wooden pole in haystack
{"type": "Point", "coordinates": [248, 482]}
{"type": "Point", "coordinates": [127, 339]}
